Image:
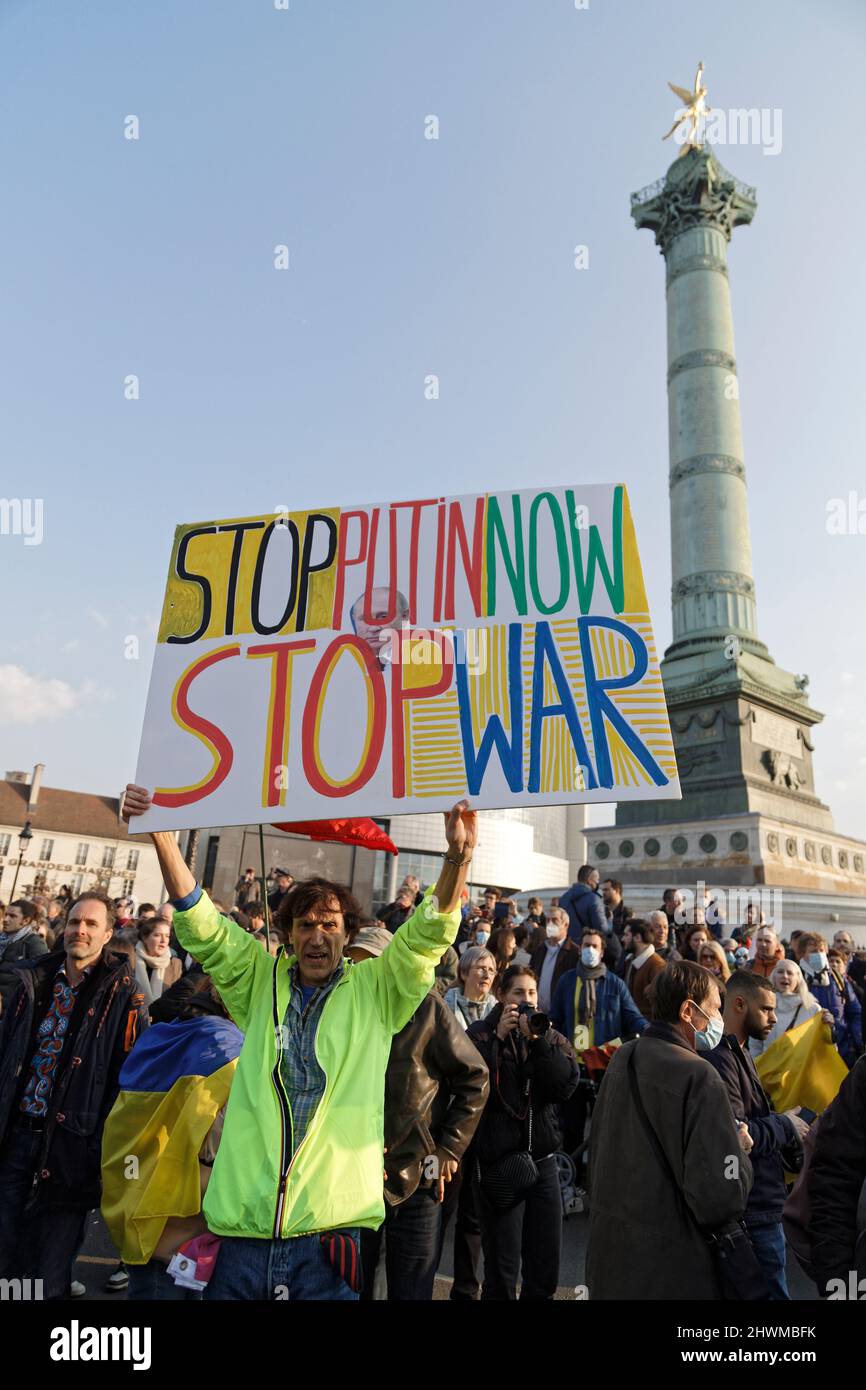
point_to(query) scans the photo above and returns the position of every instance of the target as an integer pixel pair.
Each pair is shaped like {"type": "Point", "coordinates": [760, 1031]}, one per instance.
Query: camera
{"type": "Point", "coordinates": [538, 1023]}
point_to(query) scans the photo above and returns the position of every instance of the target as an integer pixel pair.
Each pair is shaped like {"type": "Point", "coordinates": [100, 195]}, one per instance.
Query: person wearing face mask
{"type": "Point", "coordinates": [750, 1012]}
{"type": "Point", "coordinates": [591, 1006]}
{"type": "Point", "coordinates": [479, 934]}
{"type": "Point", "coordinates": [661, 1148]}
{"type": "Point", "coordinates": [811, 950]}
{"type": "Point", "coordinates": [554, 957]}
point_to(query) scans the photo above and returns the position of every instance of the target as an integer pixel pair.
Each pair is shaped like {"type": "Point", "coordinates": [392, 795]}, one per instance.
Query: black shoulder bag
{"type": "Point", "coordinates": [738, 1272]}
{"type": "Point", "coordinates": [505, 1182]}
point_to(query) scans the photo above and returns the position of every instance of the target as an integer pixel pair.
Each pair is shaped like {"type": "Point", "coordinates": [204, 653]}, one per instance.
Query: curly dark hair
{"type": "Point", "coordinates": [316, 892]}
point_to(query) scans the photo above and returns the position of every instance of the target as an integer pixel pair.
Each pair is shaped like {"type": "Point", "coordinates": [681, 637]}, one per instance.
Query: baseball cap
{"type": "Point", "coordinates": [372, 939]}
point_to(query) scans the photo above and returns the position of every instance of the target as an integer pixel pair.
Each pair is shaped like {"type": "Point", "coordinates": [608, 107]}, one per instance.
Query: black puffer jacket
{"type": "Point", "coordinates": [109, 1012]}
{"type": "Point", "coordinates": [548, 1068]}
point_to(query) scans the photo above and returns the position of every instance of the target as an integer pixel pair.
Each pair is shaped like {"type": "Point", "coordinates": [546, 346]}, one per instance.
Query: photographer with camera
{"type": "Point", "coordinates": [532, 1069]}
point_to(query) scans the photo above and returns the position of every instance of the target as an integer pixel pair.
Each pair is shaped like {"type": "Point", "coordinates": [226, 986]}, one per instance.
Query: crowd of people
{"type": "Point", "coordinates": [285, 1097]}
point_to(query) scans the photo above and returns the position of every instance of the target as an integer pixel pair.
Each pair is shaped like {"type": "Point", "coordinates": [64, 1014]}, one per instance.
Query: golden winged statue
{"type": "Point", "coordinates": [694, 109]}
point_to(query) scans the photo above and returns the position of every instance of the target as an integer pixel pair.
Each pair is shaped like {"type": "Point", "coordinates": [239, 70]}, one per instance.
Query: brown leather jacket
{"type": "Point", "coordinates": [436, 1088]}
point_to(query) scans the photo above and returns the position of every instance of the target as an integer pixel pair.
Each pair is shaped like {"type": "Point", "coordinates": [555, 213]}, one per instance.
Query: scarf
{"type": "Point", "coordinates": [589, 974]}
{"type": "Point", "coordinates": [6, 938]}
{"type": "Point", "coordinates": [788, 1007]}
{"type": "Point", "coordinates": [156, 968]}
{"type": "Point", "coordinates": [472, 1009]}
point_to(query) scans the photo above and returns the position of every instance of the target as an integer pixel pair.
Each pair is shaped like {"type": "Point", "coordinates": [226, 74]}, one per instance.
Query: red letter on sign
{"type": "Point", "coordinates": [279, 706]}
{"type": "Point", "coordinates": [213, 738]}
{"type": "Point", "coordinates": [343, 560]}
{"type": "Point", "coordinates": [374, 718]}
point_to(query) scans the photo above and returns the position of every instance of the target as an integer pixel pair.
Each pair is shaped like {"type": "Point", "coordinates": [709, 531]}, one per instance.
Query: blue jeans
{"type": "Point", "coordinates": [259, 1271]}
{"type": "Point", "coordinates": [41, 1243]}
{"type": "Point", "coordinates": [411, 1231]}
{"type": "Point", "coordinates": [768, 1243]}
{"type": "Point", "coordinates": [153, 1283]}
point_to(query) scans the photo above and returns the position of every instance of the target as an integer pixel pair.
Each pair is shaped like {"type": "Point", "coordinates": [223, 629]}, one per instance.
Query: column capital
{"type": "Point", "coordinates": [696, 191]}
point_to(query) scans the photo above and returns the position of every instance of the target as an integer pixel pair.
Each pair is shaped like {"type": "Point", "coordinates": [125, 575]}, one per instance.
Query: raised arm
{"type": "Point", "coordinates": [231, 957]}
{"type": "Point", "coordinates": [403, 974]}
{"type": "Point", "coordinates": [177, 877]}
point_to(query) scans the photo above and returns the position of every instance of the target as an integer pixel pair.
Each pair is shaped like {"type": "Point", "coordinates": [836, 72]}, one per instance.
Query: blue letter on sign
{"type": "Point", "coordinates": [546, 647]}
{"type": "Point", "coordinates": [510, 754]}
{"type": "Point", "coordinates": [601, 708]}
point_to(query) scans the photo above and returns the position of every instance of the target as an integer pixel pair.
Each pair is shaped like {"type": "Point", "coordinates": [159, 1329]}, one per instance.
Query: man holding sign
{"type": "Point", "coordinates": [299, 1169]}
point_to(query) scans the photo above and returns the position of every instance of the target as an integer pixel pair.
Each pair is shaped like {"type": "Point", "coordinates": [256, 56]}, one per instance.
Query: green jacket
{"type": "Point", "coordinates": [335, 1178]}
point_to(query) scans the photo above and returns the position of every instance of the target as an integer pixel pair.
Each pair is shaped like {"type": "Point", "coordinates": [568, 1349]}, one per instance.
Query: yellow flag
{"type": "Point", "coordinates": [802, 1067]}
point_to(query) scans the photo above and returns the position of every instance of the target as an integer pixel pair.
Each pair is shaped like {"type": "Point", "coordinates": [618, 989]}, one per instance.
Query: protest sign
{"type": "Point", "coordinates": [385, 659]}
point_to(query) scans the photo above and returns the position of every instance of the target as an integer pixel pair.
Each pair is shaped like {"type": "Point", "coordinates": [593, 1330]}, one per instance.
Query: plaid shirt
{"type": "Point", "coordinates": [300, 1073]}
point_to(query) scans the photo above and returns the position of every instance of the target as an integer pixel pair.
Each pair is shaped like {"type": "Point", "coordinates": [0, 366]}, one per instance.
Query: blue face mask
{"type": "Point", "coordinates": [817, 961]}
{"type": "Point", "coordinates": [706, 1042]}
{"type": "Point", "coordinates": [482, 938]}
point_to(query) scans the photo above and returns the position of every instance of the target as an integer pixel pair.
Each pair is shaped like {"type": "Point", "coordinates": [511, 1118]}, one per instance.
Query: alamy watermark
{"type": "Point", "coordinates": [22, 516]}
{"type": "Point", "coordinates": [737, 126]}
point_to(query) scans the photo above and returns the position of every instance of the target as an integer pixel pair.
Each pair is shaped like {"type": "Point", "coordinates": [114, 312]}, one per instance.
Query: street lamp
{"type": "Point", "coordinates": [23, 841]}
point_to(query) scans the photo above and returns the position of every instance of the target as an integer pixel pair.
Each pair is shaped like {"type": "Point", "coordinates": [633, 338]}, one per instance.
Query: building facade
{"type": "Point", "coordinates": [78, 839]}
{"type": "Point", "coordinates": [518, 849]}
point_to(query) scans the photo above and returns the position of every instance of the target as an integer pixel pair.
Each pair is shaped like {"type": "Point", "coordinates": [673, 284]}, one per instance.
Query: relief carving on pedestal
{"type": "Point", "coordinates": [783, 771]}
{"type": "Point", "coordinates": [690, 759]}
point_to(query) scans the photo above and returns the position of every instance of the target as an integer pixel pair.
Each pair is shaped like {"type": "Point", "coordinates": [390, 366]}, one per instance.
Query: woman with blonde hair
{"type": "Point", "coordinates": [712, 957]}
{"type": "Point", "coordinates": [794, 1004]}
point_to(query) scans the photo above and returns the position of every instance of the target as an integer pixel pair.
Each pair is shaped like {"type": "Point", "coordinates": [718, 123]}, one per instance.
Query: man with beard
{"type": "Point", "coordinates": [749, 1012]}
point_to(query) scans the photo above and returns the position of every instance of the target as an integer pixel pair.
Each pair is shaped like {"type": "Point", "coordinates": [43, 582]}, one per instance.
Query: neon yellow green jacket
{"type": "Point", "coordinates": [335, 1177]}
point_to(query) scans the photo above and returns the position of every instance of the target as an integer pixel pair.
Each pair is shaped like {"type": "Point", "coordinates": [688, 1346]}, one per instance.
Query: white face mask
{"type": "Point", "coordinates": [590, 955]}
{"type": "Point", "coordinates": [552, 931]}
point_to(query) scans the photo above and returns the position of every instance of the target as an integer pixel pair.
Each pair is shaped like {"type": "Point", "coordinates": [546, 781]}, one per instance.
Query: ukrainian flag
{"type": "Point", "coordinates": [172, 1086]}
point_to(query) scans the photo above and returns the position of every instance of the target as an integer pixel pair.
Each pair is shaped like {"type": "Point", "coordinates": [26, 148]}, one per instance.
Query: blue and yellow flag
{"type": "Point", "coordinates": [172, 1086]}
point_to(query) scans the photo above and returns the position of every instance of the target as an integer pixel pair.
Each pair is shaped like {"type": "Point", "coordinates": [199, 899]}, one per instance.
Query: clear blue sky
{"type": "Point", "coordinates": [408, 257]}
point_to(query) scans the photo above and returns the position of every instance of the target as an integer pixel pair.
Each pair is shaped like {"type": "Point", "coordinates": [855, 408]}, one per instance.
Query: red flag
{"type": "Point", "coordinates": [354, 830]}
